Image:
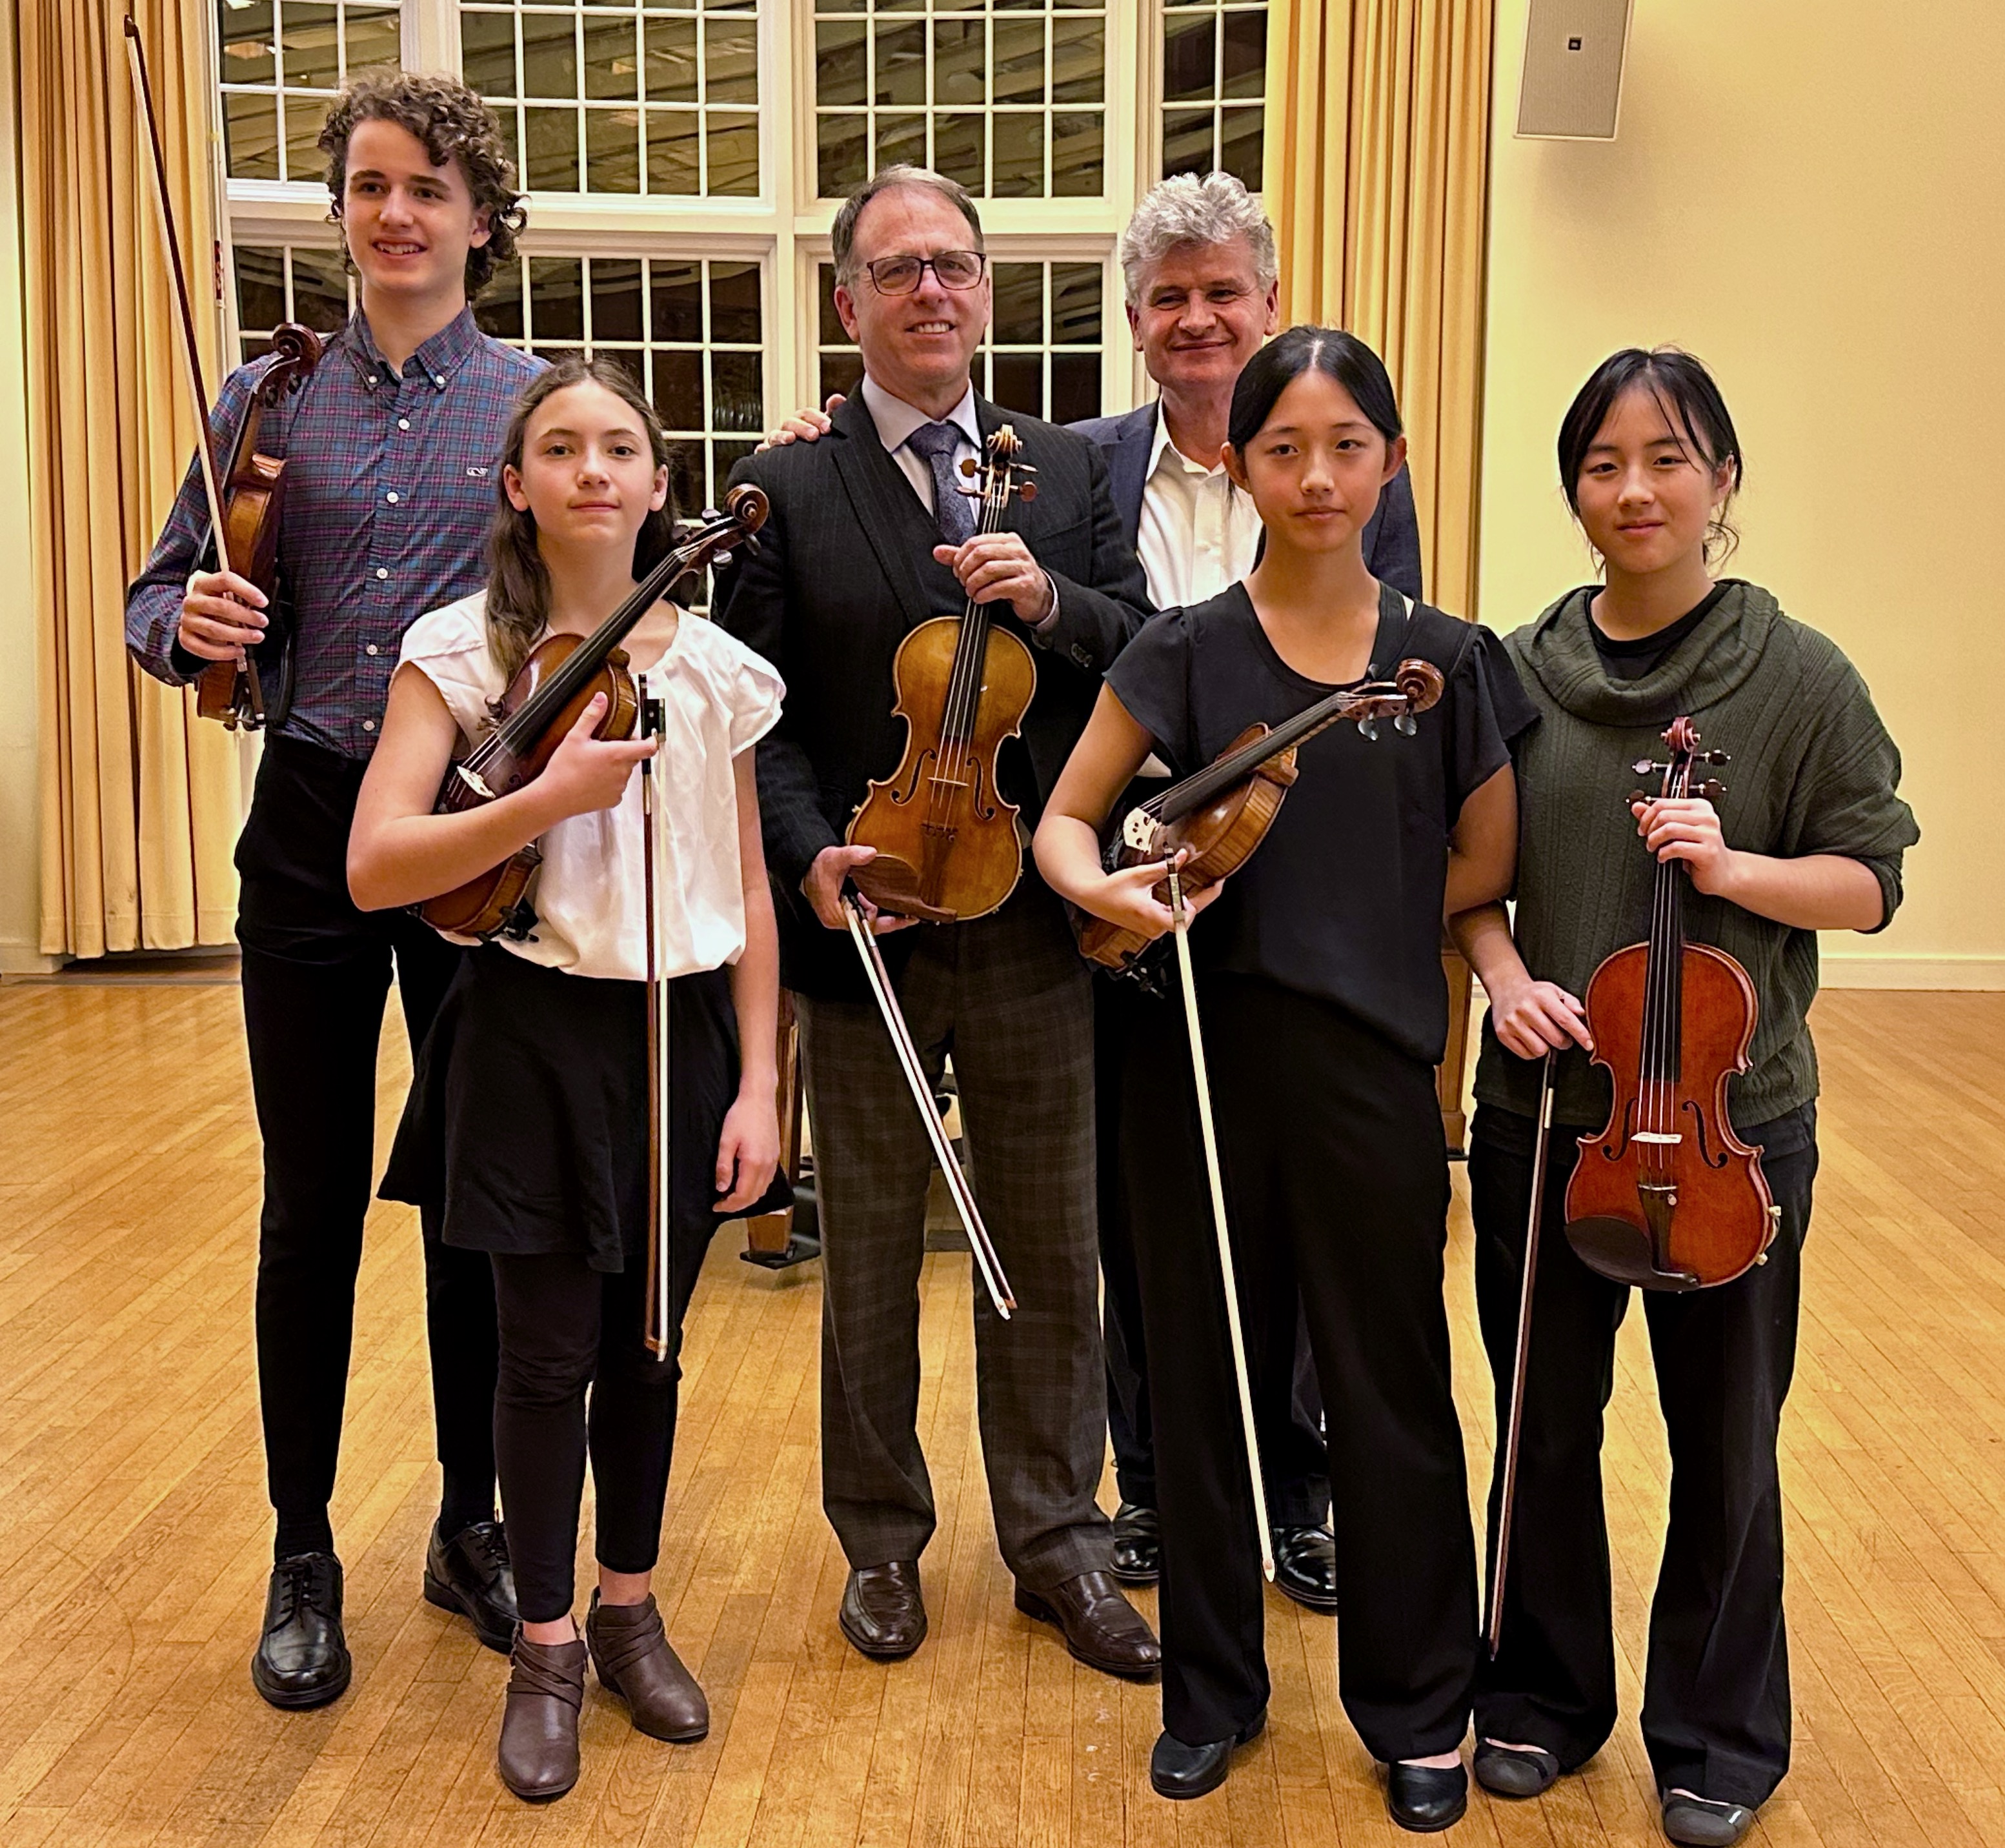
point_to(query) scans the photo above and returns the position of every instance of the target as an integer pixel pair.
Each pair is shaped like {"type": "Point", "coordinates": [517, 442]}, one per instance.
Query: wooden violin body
{"type": "Point", "coordinates": [253, 495]}
{"type": "Point", "coordinates": [1667, 1197]}
{"type": "Point", "coordinates": [546, 698]}
{"type": "Point", "coordinates": [483, 907]}
{"type": "Point", "coordinates": [1218, 817]}
{"type": "Point", "coordinates": [948, 845]}
{"type": "Point", "coordinates": [946, 841]}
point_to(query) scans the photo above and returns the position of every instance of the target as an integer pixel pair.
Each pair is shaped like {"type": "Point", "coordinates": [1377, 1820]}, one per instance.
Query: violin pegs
{"type": "Point", "coordinates": [1643, 767]}
{"type": "Point", "coordinates": [1638, 795]}
{"type": "Point", "coordinates": [968, 465]}
{"type": "Point", "coordinates": [1028, 492]}
{"type": "Point", "coordinates": [1712, 789]}
{"type": "Point", "coordinates": [1406, 724]}
{"type": "Point", "coordinates": [1367, 729]}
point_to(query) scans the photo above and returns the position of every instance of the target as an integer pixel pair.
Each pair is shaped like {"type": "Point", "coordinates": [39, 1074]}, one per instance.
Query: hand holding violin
{"type": "Point", "coordinates": [222, 614]}
{"type": "Point", "coordinates": [1688, 829]}
{"type": "Point", "coordinates": [997, 567]}
{"type": "Point", "coordinates": [1127, 898]}
{"type": "Point", "coordinates": [586, 774]}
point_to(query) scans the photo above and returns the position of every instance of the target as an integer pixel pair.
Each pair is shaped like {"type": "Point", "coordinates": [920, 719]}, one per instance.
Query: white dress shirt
{"type": "Point", "coordinates": [1199, 532]}
{"type": "Point", "coordinates": [896, 420]}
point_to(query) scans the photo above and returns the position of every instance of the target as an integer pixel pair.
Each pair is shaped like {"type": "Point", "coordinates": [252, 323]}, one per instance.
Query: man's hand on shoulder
{"type": "Point", "coordinates": [803, 426]}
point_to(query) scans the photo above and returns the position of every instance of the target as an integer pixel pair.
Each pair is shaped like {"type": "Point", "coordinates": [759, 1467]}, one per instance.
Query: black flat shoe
{"type": "Point", "coordinates": [883, 1614]}
{"type": "Point", "coordinates": [470, 1574]}
{"type": "Point", "coordinates": [1305, 1566]}
{"type": "Point", "coordinates": [1179, 1771]}
{"type": "Point", "coordinates": [1426, 1798]}
{"type": "Point", "coordinates": [302, 1659]}
{"type": "Point", "coordinates": [1505, 1771]}
{"type": "Point", "coordinates": [1700, 1823]}
{"type": "Point", "coordinates": [1137, 1557]}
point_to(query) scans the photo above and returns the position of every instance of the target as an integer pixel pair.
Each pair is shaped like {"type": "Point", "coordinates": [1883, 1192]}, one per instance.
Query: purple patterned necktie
{"type": "Point", "coordinates": [935, 443]}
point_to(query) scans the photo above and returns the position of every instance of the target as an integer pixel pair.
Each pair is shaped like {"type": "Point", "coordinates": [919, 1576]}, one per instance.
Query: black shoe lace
{"type": "Point", "coordinates": [296, 1577]}
{"type": "Point", "coordinates": [487, 1542]}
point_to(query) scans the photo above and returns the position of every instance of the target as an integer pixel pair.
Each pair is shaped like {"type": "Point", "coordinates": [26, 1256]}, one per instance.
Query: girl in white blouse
{"type": "Point", "coordinates": [526, 1122]}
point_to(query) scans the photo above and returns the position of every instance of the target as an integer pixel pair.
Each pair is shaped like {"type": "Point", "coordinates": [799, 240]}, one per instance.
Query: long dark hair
{"type": "Point", "coordinates": [1277, 365]}
{"type": "Point", "coordinates": [1694, 412]}
{"type": "Point", "coordinates": [518, 582]}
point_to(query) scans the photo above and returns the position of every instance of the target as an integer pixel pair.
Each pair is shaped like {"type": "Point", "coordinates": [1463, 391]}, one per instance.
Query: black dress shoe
{"type": "Point", "coordinates": [1504, 1772]}
{"type": "Point", "coordinates": [1305, 1565]}
{"type": "Point", "coordinates": [1426, 1798]}
{"type": "Point", "coordinates": [1102, 1629]}
{"type": "Point", "coordinates": [1178, 1771]}
{"type": "Point", "coordinates": [470, 1573]}
{"type": "Point", "coordinates": [1137, 1558]}
{"type": "Point", "coordinates": [1700, 1823]}
{"type": "Point", "coordinates": [302, 1658]}
{"type": "Point", "coordinates": [882, 1612]}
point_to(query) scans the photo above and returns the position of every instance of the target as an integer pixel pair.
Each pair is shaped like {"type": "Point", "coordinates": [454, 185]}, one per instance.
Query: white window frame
{"type": "Point", "coordinates": [785, 229]}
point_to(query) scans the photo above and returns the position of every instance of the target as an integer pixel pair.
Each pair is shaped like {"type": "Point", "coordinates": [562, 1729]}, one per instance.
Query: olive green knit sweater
{"type": "Point", "coordinates": [1812, 771]}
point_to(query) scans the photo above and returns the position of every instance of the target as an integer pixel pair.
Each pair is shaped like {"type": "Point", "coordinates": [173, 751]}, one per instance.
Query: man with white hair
{"type": "Point", "coordinates": [1201, 279]}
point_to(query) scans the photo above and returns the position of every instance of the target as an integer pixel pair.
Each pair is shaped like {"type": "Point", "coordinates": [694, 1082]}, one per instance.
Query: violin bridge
{"type": "Point", "coordinates": [1646, 1135]}
{"type": "Point", "coordinates": [1138, 830]}
{"type": "Point", "coordinates": [472, 779]}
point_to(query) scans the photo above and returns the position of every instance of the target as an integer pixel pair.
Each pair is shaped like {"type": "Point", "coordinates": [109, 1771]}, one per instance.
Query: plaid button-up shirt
{"type": "Point", "coordinates": [391, 480]}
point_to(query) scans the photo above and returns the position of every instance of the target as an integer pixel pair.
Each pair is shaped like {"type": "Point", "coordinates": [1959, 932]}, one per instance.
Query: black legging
{"type": "Point", "coordinates": [565, 1327]}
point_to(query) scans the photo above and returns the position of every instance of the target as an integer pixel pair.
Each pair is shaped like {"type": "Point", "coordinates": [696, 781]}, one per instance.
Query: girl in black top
{"type": "Point", "coordinates": [1324, 1013]}
{"type": "Point", "coordinates": [1807, 836]}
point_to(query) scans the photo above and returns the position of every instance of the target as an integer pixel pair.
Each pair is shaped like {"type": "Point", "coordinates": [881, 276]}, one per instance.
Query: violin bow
{"type": "Point", "coordinates": [986, 1261]}
{"type": "Point", "coordinates": [655, 1332]}
{"type": "Point", "coordinates": [1210, 1135]}
{"type": "Point", "coordinates": [1521, 1365]}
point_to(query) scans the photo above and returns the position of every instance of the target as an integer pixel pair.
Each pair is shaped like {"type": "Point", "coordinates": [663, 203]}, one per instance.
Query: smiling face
{"type": "Point", "coordinates": [587, 475]}
{"type": "Point", "coordinates": [408, 224]}
{"type": "Point", "coordinates": [1646, 495]}
{"type": "Point", "coordinates": [919, 346]}
{"type": "Point", "coordinates": [1200, 314]}
{"type": "Point", "coordinates": [1317, 465]}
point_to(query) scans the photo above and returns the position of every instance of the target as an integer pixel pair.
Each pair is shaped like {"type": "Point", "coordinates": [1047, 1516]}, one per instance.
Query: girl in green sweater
{"type": "Point", "coordinates": [1808, 836]}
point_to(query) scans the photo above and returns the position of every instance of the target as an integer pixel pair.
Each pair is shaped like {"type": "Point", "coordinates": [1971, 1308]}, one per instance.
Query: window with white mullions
{"type": "Point", "coordinates": [653, 97]}
{"type": "Point", "coordinates": [1008, 98]}
{"type": "Point", "coordinates": [281, 62]}
{"type": "Point", "coordinates": [309, 284]}
{"type": "Point", "coordinates": [1044, 351]}
{"type": "Point", "coordinates": [690, 331]}
{"type": "Point", "coordinates": [1214, 87]}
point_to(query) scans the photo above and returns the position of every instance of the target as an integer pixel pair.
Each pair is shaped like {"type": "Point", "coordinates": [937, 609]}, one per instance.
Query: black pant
{"type": "Point", "coordinates": [1337, 1191]}
{"type": "Point", "coordinates": [1716, 1717]}
{"type": "Point", "coordinates": [316, 973]}
{"type": "Point", "coordinates": [565, 1327]}
{"type": "Point", "coordinates": [1287, 1405]}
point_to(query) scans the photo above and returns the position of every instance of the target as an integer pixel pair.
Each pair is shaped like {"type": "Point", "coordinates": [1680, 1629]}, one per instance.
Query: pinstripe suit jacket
{"type": "Point", "coordinates": [844, 569]}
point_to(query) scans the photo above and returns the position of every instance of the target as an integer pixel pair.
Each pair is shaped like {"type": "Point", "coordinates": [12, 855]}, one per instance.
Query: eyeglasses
{"type": "Point", "coordinates": [900, 275]}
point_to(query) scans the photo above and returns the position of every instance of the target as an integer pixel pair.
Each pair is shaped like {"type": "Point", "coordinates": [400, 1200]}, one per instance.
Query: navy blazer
{"type": "Point", "coordinates": [1392, 535]}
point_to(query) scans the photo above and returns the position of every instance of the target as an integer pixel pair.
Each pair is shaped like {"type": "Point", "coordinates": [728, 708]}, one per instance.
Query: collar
{"type": "Point", "coordinates": [1161, 443]}
{"type": "Point", "coordinates": [896, 420]}
{"type": "Point", "coordinates": [438, 358]}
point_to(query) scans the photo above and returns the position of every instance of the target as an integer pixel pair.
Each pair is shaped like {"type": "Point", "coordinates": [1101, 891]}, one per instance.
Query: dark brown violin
{"type": "Point", "coordinates": [547, 696]}
{"type": "Point", "coordinates": [1218, 816]}
{"type": "Point", "coordinates": [246, 494]}
{"type": "Point", "coordinates": [1667, 1197]}
{"type": "Point", "coordinates": [947, 843]}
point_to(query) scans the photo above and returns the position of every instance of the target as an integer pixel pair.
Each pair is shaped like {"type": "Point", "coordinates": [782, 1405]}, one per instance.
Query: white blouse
{"type": "Point", "coordinates": [589, 894]}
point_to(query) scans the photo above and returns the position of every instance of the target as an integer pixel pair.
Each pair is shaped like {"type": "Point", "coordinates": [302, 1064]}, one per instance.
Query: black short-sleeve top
{"type": "Point", "coordinates": [1343, 900]}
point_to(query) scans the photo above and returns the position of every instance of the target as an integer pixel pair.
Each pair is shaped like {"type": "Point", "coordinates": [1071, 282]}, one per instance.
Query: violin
{"type": "Point", "coordinates": [1217, 817]}
{"type": "Point", "coordinates": [1666, 1196]}
{"type": "Point", "coordinates": [247, 495]}
{"type": "Point", "coordinates": [545, 700]}
{"type": "Point", "coordinates": [948, 845]}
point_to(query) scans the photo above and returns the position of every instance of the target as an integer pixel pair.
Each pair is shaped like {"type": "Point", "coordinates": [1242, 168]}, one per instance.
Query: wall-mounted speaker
{"type": "Point", "coordinates": [1574, 54]}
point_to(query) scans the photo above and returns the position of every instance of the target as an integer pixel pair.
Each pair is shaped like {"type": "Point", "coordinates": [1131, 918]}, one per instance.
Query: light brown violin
{"type": "Point", "coordinates": [948, 845]}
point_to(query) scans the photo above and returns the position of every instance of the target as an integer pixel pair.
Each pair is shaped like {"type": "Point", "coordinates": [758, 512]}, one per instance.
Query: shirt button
{"type": "Point", "coordinates": [438, 379]}
{"type": "Point", "coordinates": [380, 571]}
{"type": "Point", "coordinates": [371, 649]}
{"type": "Point", "coordinates": [403, 423]}
{"type": "Point", "coordinates": [392, 497]}
{"type": "Point", "coordinates": [368, 725]}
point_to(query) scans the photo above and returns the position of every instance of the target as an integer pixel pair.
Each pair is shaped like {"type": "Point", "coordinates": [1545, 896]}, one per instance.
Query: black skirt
{"type": "Point", "coordinates": [526, 1128]}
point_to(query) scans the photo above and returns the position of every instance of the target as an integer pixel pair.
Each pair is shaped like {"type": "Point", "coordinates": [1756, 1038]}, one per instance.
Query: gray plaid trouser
{"type": "Point", "coordinates": [1007, 996]}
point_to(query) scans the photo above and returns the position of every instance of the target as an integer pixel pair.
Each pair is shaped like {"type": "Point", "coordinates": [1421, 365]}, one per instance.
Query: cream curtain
{"type": "Point", "coordinates": [140, 802]}
{"type": "Point", "coordinates": [1377, 176]}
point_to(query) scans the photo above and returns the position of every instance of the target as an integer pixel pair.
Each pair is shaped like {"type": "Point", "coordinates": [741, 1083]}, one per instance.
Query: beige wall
{"type": "Point", "coordinates": [1810, 194]}
{"type": "Point", "coordinates": [19, 857]}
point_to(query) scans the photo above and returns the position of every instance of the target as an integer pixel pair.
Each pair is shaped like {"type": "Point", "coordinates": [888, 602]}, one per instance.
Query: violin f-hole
{"type": "Point", "coordinates": [1704, 1144]}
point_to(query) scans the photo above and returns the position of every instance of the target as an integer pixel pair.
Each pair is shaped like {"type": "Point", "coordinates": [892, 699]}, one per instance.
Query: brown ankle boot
{"type": "Point", "coordinates": [537, 1754]}
{"type": "Point", "coordinates": [631, 1653]}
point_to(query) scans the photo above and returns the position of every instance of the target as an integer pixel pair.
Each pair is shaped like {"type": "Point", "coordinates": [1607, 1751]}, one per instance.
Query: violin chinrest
{"type": "Point", "coordinates": [1621, 1252]}
{"type": "Point", "coordinates": [892, 885]}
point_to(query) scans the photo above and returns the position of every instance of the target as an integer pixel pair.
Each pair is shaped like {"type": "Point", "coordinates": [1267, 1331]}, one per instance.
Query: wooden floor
{"type": "Point", "coordinates": [134, 1534]}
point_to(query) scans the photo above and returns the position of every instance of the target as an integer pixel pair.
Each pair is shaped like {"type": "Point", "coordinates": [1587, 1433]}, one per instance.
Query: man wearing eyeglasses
{"type": "Point", "coordinates": [868, 536]}
{"type": "Point", "coordinates": [1201, 277]}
